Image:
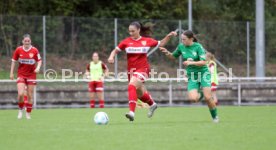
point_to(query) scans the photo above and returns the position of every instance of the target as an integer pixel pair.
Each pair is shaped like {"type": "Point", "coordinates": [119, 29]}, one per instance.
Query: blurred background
{"type": "Point", "coordinates": [68, 32]}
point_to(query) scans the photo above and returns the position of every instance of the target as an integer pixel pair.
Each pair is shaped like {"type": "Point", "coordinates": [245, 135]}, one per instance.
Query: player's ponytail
{"type": "Point", "coordinates": [211, 56]}
{"type": "Point", "coordinates": [190, 34]}
{"type": "Point", "coordinates": [145, 31]}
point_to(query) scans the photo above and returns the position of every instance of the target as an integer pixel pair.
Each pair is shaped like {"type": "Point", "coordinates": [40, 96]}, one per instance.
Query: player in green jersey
{"type": "Point", "coordinates": [197, 71]}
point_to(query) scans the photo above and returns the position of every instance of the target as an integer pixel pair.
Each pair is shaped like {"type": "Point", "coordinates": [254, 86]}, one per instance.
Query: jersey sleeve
{"type": "Point", "coordinates": [15, 55]}
{"type": "Point", "coordinates": [177, 52]}
{"type": "Point", "coordinates": [201, 53]}
{"type": "Point", "coordinates": [88, 67]}
{"type": "Point", "coordinates": [122, 46]}
{"type": "Point", "coordinates": [37, 56]}
{"type": "Point", "coordinates": [153, 42]}
{"type": "Point", "coordinates": [104, 67]}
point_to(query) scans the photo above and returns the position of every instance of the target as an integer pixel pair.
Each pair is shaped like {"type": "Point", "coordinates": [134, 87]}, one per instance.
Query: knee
{"type": "Point", "coordinates": [139, 92]}
{"type": "Point", "coordinates": [92, 96]}
{"type": "Point", "coordinates": [21, 94]}
{"type": "Point", "coordinates": [30, 96]}
{"type": "Point", "coordinates": [208, 97]}
{"type": "Point", "coordinates": [131, 87]}
{"type": "Point", "coordinates": [193, 99]}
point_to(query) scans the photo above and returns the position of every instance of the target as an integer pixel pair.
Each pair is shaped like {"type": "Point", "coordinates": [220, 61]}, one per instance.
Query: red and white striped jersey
{"type": "Point", "coordinates": [27, 60]}
{"type": "Point", "coordinates": [137, 51]}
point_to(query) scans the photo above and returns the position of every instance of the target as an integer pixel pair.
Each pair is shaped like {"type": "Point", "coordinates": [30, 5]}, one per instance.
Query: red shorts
{"type": "Point", "coordinates": [95, 86]}
{"type": "Point", "coordinates": [142, 74]}
{"type": "Point", "coordinates": [214, 86]}
{"type": "Point", "coordinates": [30, 80]}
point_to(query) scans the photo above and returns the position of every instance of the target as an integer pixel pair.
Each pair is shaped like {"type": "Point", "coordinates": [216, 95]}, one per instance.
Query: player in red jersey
{"type": "Point", "coordinates": [137, 46]}
{"type": "Point", "coordinates": [95, 71]}
{"type": "Point", "coordinates": [27, 56]}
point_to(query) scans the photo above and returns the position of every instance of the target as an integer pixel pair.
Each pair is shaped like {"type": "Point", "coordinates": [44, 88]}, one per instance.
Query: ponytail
{"type": "Point", "coordinates": [195, 39]}
{"type": "Point", "coordinates": [190, 34]}
{"type": "Point", "coordinates": [145, 31]}
{"type": "Point", "coordinates": [211, 56]}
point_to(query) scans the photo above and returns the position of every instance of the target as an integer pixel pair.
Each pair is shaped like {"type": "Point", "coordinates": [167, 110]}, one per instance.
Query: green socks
{"type": "Point", "coordinates": [214, 112]}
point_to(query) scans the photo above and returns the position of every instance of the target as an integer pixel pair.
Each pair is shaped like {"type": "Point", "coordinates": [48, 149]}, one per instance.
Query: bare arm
{"type": "Point", "coordinates": [87, 74]}
{"type": "Point", "coordinates": [12, 70]}
{"type": "Point", "coordinates": [112, 55]}
{"type": "Point", "coordinates": [106, 72]}
{"type": "Point", "coordinates": [167, 53]}
{"type": "Point", "coordinates": [166, 39]}
{"type": "Point", "coordinates": [196, 63]}
{"type": "Point", "coordinates": [39, 63]}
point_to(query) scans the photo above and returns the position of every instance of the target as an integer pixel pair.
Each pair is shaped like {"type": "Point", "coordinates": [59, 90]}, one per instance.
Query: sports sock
{"type": "Point", "coordinates": [101, 103]}
{"type": "Point", "coordinates": [25, 99]}
{"type": "Point", "coordinates": [92, 103]}
{"type": "Point", "coordinates": [132, 97]}
{"type": "Point", "coordinates": [29, 107]}
{"type": "Point", "coordinates": [146, 98]}
{"type": "Point", "coordinates": [214, 112]}
{"type": "Point", "coordinates": [20, 105]}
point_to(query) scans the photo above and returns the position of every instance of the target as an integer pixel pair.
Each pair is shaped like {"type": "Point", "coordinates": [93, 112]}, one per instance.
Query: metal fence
{"type": "Point", "coordinates": [68, 42]}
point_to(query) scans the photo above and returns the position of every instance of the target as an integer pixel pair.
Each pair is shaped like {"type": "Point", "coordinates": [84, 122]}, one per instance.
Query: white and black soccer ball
{"type": "Point", "coordinates": [101, 118]}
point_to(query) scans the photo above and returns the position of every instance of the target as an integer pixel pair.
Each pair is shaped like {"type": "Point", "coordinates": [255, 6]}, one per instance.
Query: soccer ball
{"type": "Point", "coordinates": [101, 118]}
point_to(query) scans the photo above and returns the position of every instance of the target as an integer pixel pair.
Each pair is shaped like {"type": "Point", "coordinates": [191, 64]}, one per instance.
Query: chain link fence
{"type": "Point", "coordinates": [68, 42]}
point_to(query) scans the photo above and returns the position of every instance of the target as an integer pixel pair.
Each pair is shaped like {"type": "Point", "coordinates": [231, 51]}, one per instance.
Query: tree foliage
{"type": "Point", "coordinates": [75, 28]}
{"type": "Point", "coordinates": [155, 9]}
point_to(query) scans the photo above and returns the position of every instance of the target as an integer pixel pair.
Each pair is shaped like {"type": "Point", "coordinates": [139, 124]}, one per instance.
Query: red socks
{"type": "Point", "coordinates": [132, 97]}
{"type": "Point", "coordinates": [29, 108]}
{"type": "Point", "coordinates": [25, 103]}
{"type": "Point", "coordinates": [20, 105]}
{"type": "Point", "coordinates": [25, 99]}
{"type": "Point", "coordinates": [101, 103]}
{"type": "Point", "coordinates": [92, 103]}
{"type": "Point", "coordinates": [146, 98]}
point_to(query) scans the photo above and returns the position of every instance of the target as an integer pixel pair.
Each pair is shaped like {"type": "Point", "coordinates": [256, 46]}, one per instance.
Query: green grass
{"type": "Point", "coordinates": [6, 75]}
{"type": "Point", "coordinates": [188, 128]}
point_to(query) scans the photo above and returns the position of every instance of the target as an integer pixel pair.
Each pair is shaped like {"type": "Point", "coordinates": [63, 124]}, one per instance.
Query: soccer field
{"type": "Point", "coordinates": [177, 128]}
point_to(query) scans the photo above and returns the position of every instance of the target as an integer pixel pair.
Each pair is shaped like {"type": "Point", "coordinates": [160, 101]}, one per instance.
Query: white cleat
{"type": "Point", "coordinates": [152, 108]}
{"type": "Point", "coordinates": [216, 120]}
{"type": "Point", "coordinates": [130, 116]}
{"type": "Point", "coordinates": [28, 115]}
{"type": "Point", "coordinates": [20, 114]}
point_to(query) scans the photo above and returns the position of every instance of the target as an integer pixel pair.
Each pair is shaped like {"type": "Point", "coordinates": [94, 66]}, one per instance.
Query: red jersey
{"type": "Point", "coordinates": [137, 51]}
{"type": "Point", "coordinates": [27, 60]}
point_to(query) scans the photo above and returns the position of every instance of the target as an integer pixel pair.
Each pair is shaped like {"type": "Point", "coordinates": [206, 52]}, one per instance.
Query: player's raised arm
{"type": "Point", "coordinates": [166, 39]}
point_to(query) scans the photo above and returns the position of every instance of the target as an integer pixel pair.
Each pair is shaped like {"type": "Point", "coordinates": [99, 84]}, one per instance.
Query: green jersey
{"type": "Point", "coordinates": [194, 52]}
